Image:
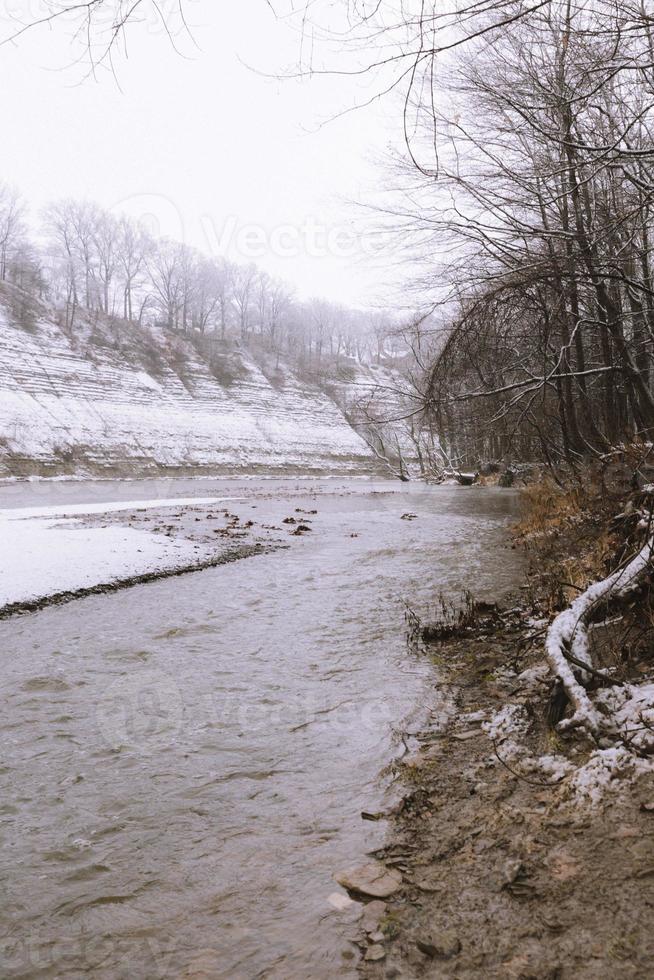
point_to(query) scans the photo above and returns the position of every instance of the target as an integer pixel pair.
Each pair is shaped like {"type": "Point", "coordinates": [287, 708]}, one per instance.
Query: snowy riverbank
{"type": "Point", "coordinates": [54, 550]}
{"type": "Point", "coordinates": [529, 802]}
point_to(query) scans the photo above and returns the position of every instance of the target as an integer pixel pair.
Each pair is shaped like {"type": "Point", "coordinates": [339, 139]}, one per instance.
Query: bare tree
{"type": "Point", "coordinates": [99, 28]}
{"type": "Point", "coordinates": [106, 236]}
{"type": "Point", "coordinates": [165, 273]}
{"type": "Point", "coordinates": [210, 295]}
{"type": "Point", "coordinates": [12, 226]}
{"type": "Point", "coordinates": [243, 290]}
{"type": "Point", "coordinates": [133, 248]}
{"type": "Point", "coordinates": [533, 220]}
{"type": "Point", "coordinates": [63, 255]}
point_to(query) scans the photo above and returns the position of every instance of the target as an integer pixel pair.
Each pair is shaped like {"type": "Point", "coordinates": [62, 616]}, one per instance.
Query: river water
{"type": "Point", "coordinates": [184, 764]}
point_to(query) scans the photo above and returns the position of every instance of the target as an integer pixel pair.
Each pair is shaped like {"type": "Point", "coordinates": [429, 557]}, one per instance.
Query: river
{"type": "Point", "coordinates": [184, 763]}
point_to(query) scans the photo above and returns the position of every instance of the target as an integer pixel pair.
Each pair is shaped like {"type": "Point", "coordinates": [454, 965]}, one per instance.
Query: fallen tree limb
{"type": "Point", "coordinates": [566, 643]}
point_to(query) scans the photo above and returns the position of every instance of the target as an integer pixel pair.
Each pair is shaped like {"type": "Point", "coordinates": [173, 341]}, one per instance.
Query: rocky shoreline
{"type": "Point", "coordinates": [523, 846]}
{"type": "Point", "coordinates": [504, 872]}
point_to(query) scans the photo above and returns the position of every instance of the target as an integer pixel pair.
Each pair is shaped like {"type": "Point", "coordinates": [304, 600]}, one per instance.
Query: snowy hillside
{"type": "Point", "coordinates": [114, 399]}
{"type": "Point", "coordinates": [378, 399]}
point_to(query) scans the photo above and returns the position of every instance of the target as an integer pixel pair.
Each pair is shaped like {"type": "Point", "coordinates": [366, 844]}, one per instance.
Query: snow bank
{"type": "Point", "coordinates": [39, 558]}
{"type": "Point", "coordinates": [75, 510]}
{"type": "Point", "coordinates": [620, 719]}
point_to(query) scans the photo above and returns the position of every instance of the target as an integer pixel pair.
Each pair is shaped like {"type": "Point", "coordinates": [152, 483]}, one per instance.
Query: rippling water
{"type": "Point", "coordinates": [184, 763]}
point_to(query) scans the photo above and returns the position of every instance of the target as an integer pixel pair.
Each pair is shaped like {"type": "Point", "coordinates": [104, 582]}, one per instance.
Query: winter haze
{"type": "Point", "coordinates": [327, 490]}
{"type": "Point", "coordinates": [210, 146]}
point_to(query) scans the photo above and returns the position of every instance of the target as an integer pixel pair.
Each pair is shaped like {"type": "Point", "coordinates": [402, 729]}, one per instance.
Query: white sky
{"type": "Point", "coordinates": [203, 144]}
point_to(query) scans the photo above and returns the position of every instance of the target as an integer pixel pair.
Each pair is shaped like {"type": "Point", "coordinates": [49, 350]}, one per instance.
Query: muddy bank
{"type": "Point", "coordinates": [508, 870]}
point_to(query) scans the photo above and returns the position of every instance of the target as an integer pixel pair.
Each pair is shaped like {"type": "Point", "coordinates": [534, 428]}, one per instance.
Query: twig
{"type": "Point", "coordinates": [530, 782]}
{"type": "Point", "coordinates": [592, 670]}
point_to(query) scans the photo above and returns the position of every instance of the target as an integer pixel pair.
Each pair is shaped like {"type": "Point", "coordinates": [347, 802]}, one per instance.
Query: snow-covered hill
{"type": "Point", "coordinates": [112, 399]}
{"type": "Point", "coordinates": [380, 402]}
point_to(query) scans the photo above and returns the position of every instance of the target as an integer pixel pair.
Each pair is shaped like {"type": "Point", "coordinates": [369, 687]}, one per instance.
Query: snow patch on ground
{"type": "Point", "coordinates": [76, 510]}
{"type": "Point", "coordinates": [40, 558]}
{"type": "Point", "coordinates": [511, 720]}
{"type": "Point", "coordinates": [554, 767]}
{"type": "Point", "coordinates": [533, 677]}
{"type": "Point", "coordinates": [603, 773]}
{"type": "Point", "coordinates": [626, 715]}
{"type": "Point", "coordinates": [630, 710]}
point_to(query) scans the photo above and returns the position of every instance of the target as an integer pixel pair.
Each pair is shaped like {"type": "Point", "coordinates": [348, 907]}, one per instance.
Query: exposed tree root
{"type": "Point", "coordinates": [567, 644]}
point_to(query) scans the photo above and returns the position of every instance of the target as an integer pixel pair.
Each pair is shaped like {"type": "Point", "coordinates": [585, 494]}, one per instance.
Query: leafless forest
{"type": "Point", "coordinates": [512, 346]}
{"type": "Point", "coordinates": [92, 260]}
{"type": "Point", "coordinates": [527, 203]}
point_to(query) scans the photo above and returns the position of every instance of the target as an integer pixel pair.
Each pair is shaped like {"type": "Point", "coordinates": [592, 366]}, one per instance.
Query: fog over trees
{"type": "Point", "coordinates": [526, 204]}
{"type": "Point", "coordinates": [93, 260]}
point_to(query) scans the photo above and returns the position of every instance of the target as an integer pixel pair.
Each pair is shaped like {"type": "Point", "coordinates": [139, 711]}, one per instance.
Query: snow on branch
{"type": "Point", "coordinates": [567, 636]}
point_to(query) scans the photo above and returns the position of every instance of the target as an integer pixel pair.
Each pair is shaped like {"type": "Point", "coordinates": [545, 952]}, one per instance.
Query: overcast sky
{"type": "Point", "coordinates": [203, 145]}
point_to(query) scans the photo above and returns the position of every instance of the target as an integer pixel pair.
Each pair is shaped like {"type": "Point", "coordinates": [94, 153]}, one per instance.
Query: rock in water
{"type": "Point", "coordinates": [372, 913]}
{"type": "Point", "coordinates": [340, 902]}
{"type": "Point", "coordinates": [375, 953]}
{"type": "Point", "coordinates": [374, 880]}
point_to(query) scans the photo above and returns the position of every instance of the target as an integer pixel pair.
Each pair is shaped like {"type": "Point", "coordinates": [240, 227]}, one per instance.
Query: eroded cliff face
{"type": "Point", "coordinates": [110, 398]}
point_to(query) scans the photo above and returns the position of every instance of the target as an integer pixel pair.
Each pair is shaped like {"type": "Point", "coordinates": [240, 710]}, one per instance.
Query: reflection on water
{"type": "Point", "coordinates": [184, 764]}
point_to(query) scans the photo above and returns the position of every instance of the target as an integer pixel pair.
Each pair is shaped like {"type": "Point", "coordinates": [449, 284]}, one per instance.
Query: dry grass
{"type": "Point", "coordinates": [547, 507]}
{"type": "Point", "coordinates": [566, 532]}
{"type": "Point", "coordinates": [574, 538]}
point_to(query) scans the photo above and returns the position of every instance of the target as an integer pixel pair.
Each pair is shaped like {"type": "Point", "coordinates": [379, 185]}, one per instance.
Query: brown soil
{"type": "Point", "coordinates": [504, 875]}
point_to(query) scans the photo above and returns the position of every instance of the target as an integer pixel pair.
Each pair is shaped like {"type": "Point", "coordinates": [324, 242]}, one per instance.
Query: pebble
{"type": "Point", "coordinates": [510, 872]}
{"type": "Point", "coordinates": [375, 953]}
{"type": "Point", "coordinates": [372, 913]}
{"type": "Point", "coordinates": [374, 880]}
{"type": "Point", "coordinates": [340, 902]}
{"type": "Point", "coordinates": [430, 887]}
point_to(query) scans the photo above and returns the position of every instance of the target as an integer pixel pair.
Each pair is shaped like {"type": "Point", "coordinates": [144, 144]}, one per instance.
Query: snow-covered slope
{"type": "Point", "coordinates": [110, 398]}
{"type": "Point", "coordinates": [378, 399]}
